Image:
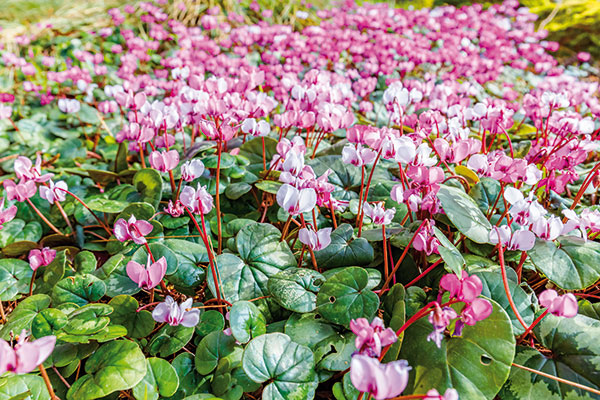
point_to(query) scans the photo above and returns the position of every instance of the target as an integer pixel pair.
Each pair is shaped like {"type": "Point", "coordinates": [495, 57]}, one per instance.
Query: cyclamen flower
{"type": "Point", "coordinates": [149, 276]}
{"type": "Point", "coordinates": [191, 170]}
{"type": "Point", "coordinates": [378, 214]}
{"type": "Point", "coordinates": [296, 201]}
{"type": "Point", "coordinates": [383, 381]}
{"type": "Point", "coordinates": [371, 338]}
{"type": "Point", "coordinates": [315, 240]}
{"type": "Point", "coordinates": [440, 319]}
{"type": "Point", "coordinates": [132, 230]}
{"type": "Point", "coordinates": [26, 356]}
{"type": "Point", "coordinates": [466, 288]}
{"type": "Point", "coordinates": [21, 191]}
{"type": "Point", "coordinates": [26, 171]}
{"type": "Point", "coordinates": [358, 156]}
{"type": "Point", "coordinates": [54, 191]}
{"type": "Point", "coordinates": [41, 258]}
{"type": "Point", "coordinates": [561, 306]}
{"type": "Point", "coordinates": [175, 210]}
{"type": "Point", "coordinates": [5, 111]}
{"type": "Point", "coordinates": [174, 314]}
{"type": "Point", "coordinates": [199, 201]}
{"type": "Point", "coordinates": [164, 161]}
{"type": "Point", "coordinates": [260, 128]}
{"type": "Point", "coordinates": [69, 106]}
{"type": "Point", "coordinates": [521, 239]}
{"type": "Point", "coordinates": [449, 394]}
{"type": "Point", "coordinates": [477, 310]}
{"type": "Point", "coordinates": [6, 214]}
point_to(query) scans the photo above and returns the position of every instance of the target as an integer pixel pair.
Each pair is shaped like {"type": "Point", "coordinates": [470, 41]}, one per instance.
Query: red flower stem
{"type": "Point", "coordinates": [142, 160]}
{"type": "Point", "coordinates": [218, 199]}
{"type": "Point", "coordinates": [178, 189]}
{"type": "Point", "coordinates": [262, 138]}
{"type": "Point", "coordinates": [147, 305]}
{"type": "Point", "coordinates": [385, 253]}
{"type": "Point", "coordinates": [332, 214]}
{"type": "Point", "coordinates": [285, 228]}
{"type": "Point", "coordinates": [211, 260]}
{"type": "Point", "coordinates": [102, 224]}
{"type": "Point", "coordinates": [520, 267]}
{"type": "Point", "coordinates": [389, 278]}
{"type": "Point", "coordinates": [172, 179]}
{"type": "Point", "coordinates": [506, 288]}
{"type": "Point", "coordinates": [301, 256]}
{"type": "Point", "coordinates": [366, 195]}
{"type": "Point", "coordinates": [65, 217]}
{"type": "Point", "coordinates": [360, 195]}
{"type": "Point", "coordinates": [534, 323]}
{"type": "Point", "coordinates": [44, 218]}
{"type": "Point", "coordinates": [31, 283]}
{"type": "Point", "coordinates": [47, 382]}
{"type": "Point", "coordinates": [589, 178]}
{"type": "Point", "coordinates": [555, 378]}
{"type": "Point", "coordinates": [428, 270]}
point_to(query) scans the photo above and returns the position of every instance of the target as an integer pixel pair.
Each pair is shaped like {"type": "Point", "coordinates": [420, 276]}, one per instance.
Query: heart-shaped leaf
{"type": "Point", "coordinates": [246, 321]}
{"type": "Point", "coordinates": [464, 214]}
{"type": "Point", "coordinates": [161, 380]}
{"type": "Point", "coordinates": [117, 365]}
{"type": "Point", "coordinates": [344, 297]}
{"type": "Point", "coordinates": [138, 324]}
{"type": "Point", "coordinates": [22, 316]}
{"type": "Point", "coordinates": [15, 276]}
{"type": "Point", "coordinates": [148, 183]}
{"type": "Point", "coordinates": [394, 314]}
{"type": "Point", "coordinates": [78, 289]}
{"type": "Point", "coordinates": [295, 288]}
{"type": "Point", "coordinates": [211, 349]}
{"type": "Point", "coordinates": [288, 366]}
{"type": "Point", "coordinates": [344, 250]}
{"type": "Point", "coordinates": [169, 340]}
{"type": "Point", "coordinates": [453, 259]}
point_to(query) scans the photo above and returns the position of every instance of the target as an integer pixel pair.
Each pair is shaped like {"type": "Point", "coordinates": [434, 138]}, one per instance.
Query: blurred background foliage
{"type": "Point", "coordinates": [573, 23]}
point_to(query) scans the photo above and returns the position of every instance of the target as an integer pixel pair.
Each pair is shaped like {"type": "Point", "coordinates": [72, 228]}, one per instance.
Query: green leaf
{"type": "Point", "coordinates": [253, 151]}
{"type": "Point", "coordinates": [246, 321]}
{"type": "Point", "coordinates": [210, 321]}
{"type": "Point", "coordinates": [138, 324]}
{"type": "Point", "coordinates": [15, 276]}
{"type": "Point", "coordinates": [262, 256]}
{"type": "Point", "coordinates": [308, 329]}
{"type": "Point", "coordinates": [85, 262]}
{"type": "Point", "coordinates": [236, 190]}
{"type": "Point", "coordinates": [295, 288]}
{"type": "Point", "coordinates": [287, 366]}
{"type": "Point", "coordinates": [268, 186]}
{"type": "Point", "coordinates": [78, 289]}
{"type": "Point", "coordinates": [394, 315]}
{"type": "Point", "coordinates": [212, 348]}
{"type": "Point", "coordinates": [189, 274]}
{"type": "Point", "coordinates": [148, 183]}
{"type": "Point", "coordinates": [486, 193]}
{"type": "Point", "coordinates": [53, 273]}
{"type": "Point", "coordinates": [464, 214]}
{"type": "Point", "coordinates": [476, 364]}
{"type": "Point", "coordinates": [47, 322]}
{"type": "Point", "coordinates": [118, 282]}
{"type": "Point", "coordinates": [169, 340]}
{"type": "Point", "coordinates": [344, 250]}
{"type": "Point", "coordinates": [161, 379]}
{"type": "Point", "coordinates": [494, 289]}
{"type": "Point", "coordinates": [570, 262]}
{"type": "Point", "coordinates": [23, 315]}
{"type": "Point", "coordinates": [453, 259]}
{"type": "Point", "coordinates": [158, 250]}
{"type": "Point", "coordinates": [23, 387]}
{"type": "Point", "coordinates": [343, 176]}
{"type": "Point", "coordinates": [344, 297]}
{"type": "Point", "coordinates": [117, 365]}
{"type": "Point", "coordinates": [106, 206]}
{"type": "Point", "coordinates": [337, 352]}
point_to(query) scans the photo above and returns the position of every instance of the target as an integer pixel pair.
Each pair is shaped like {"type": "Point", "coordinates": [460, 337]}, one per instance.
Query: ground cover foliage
{"type": "Point", "coordinates": [363, 202]}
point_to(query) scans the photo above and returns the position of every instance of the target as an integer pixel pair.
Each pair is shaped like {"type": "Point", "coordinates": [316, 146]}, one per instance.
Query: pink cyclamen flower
{"type": "Point", "coordinates": [132, 230]}
{"type": "Point", "coordinates": [5, 111]}
{"type": "Point", "coordinates": [164, 161]}
{"type": "Point", "coordinates": [174, 314]}
{"type": "Point", "coordinates": [477, 310]}
{"type": "Point", "coordinates": [296, 201]}
{"type": "Point", "coordinates": [449, 394]}
{"type": "Point", "coordinates": [26, 171]}
{"type": "Point", "coordinates": [383, 381]}
{"type": "Point", "coordinates": [371, 338]}
{"type": "Point", "coordinates": [561, 306]}
{"type": "Point", "coordinates": [315, 240]}
{"type": "Point", "coordinates": [40, 258]}
{"type": "Point", "coordinates": [6, 214]}
{"type": "Point", "coordinates": [26, 356]}
{"type": "Point", "coordinates": [69, 106]}
{"type": "Point", "coordinates": [175, 210]}
{"type": "Point", "coordinates": [251, 126]}
{"type": "Point", "coordinates": [440, 319]}
{"type": "Point", "coordinates": [149, 276]}
{"type": "Point", "coordinates": [378, 214]}
{"type": "Point", "coordinates": [191, 170]}
{"type": "Point", "coordinates": [466, 288]}
{"type": "Point", "coordinates": [358, 156]}
{"type": "Point", "coordinates": [21, 191]}
{"type": "Point", "coordinates": [522, 239]}
{"type": "Point", "coordinates": [54, 191]}
{"type": "Point", "coordinates": [199, 201]}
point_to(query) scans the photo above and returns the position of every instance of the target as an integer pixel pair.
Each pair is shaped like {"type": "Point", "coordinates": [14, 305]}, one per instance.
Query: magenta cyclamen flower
{"type": "Point", "coordinates": [371, 338]}
{"type": "Point", "coordinates": [449, 394]}
{"type": "Point", "coordinates": [6, 214]}
{"type": "Point", "coordinates": [561, 306]}
{"type": "Point", "coordinates": [477, 310]}
{"type": "Point", "coordinates": [54, 191]}
{"type": "Point", "coordinates": [191, 170]}
{"type": "Point", "coordinates": [25, 356]}
{"type": "Point", "coordinates": [174, 314]}
{"type": "Point", "coordinates": [149, 276]}
{"type": "Point", "coordinates": [39, 258]}
{"type": "Point", "coordinates": [132, 230]}
{"type": "Point", "coordinates": [26, 171]}
{"type": "Point", "coordinates": [164, 161]}
{"type": "Point", "coordinates": [378, 214]}
{"type": "Point", "coordinates": [383, 381]}
{"type": "Point", "coordinates": [358, 156]}
{"type": "Point", "coordinates": [175, 210]}
{"type": "Point", "coordinates": [296, 201]}
{"type": "Point", "coordinates": [440, 319]}
{"type": "Point", "coordinates": [315, 240]}
{"type": "Point", "coordinates": [466, 288]}
{"type": "Point", "coordinates": [199, 201]}
{"type": "Point", "coordinates": [21, 191]}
